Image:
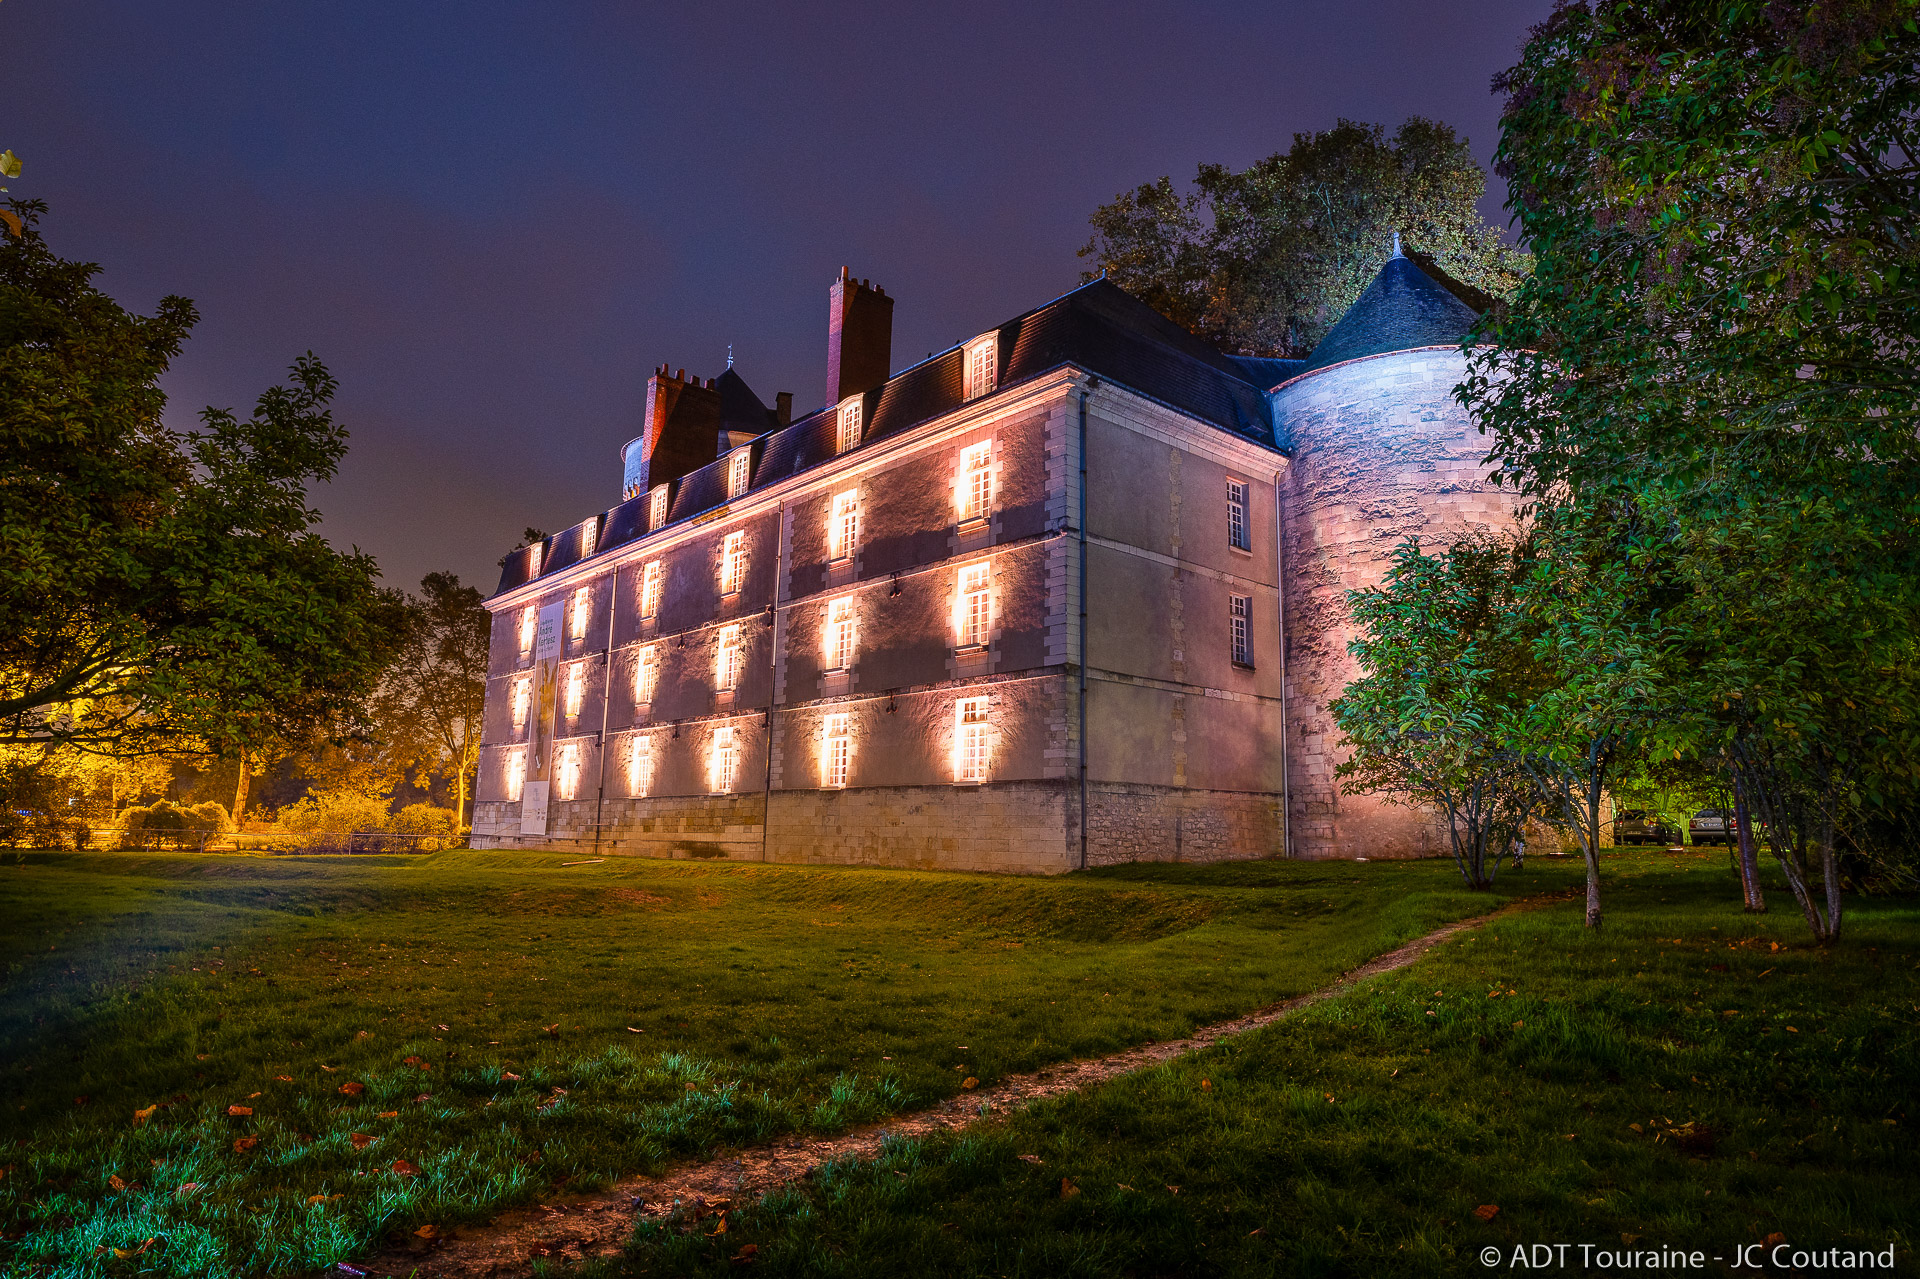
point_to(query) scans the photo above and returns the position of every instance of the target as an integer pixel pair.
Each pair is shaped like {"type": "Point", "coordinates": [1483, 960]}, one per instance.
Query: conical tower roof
{"type": "Point", "coordinates": [740, 408]}
{"type": "Point", "coordinates": [1403, 308]}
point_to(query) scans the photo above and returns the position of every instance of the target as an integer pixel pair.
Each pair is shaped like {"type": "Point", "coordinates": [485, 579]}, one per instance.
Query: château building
{"type": "Point", "coordinates": [1072, 592]}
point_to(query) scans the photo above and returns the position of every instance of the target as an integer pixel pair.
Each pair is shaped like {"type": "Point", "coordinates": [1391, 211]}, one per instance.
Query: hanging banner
{"type": "Point", "coordinates": [546, 683]}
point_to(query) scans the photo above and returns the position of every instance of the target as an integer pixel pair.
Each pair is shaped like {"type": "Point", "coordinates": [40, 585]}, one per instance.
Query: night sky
{"type": "Point", "coordinates": [493, 220]}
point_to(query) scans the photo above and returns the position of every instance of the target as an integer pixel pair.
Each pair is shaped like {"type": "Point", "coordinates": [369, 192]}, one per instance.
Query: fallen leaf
{"type": "Point", "coordinates": [239, 1111]}
{"type": "Point", "coordinates": [186, 1188]}
{"type": "Point", "coordinates": [388, 1114]}
{"type": "Point", "coordinates": [1487, 1212]}
{"type": "Point", "coordinates": [140, 1117]}
{"type": "Point", "coordinates": [405, 1169]}
{"type": "Point", "coordinates": [241, 1145]}
{"type": "Point", "coordinates": [285, 1079]}
{"type": "Point", "coordinates": [1775, 1239]}
{"type": "Point", "coordinates": [509, 1076]}
{"type": "Point", "coordinates": [81, 1101]}
{"type": "Point", "coordinates": [1206, 1085]}
{"type": "Point", "coordinates": [1067, 1189]}
{"type": "Point", "coordinates": [1628, 1239]}
{"type": "Point", "coordinates": [425, 1096]}
{"type": "Point", "coordinates": [969, 1082]}
{"type": "Point", "coordinates": [322, 1199]}
{"type": "Point", "coordinates": [252, 1095]}
{"type": "Point", "coordinates": [116, 1183]}
{"type": "Point", "coordinates": [1573, 1136]}
{"type": "Point", "coordinates": [719, 1229]}
{"type": "Point", "coordinates": [1032, 1159]}
{"type": "Point", "coordinates": [1394, 1075]}
{"type": "Point", "coordinates": [428, 1232]}
{"type": "Point", "coordinates": [1636, 1127]}
{"type": "Point", "coordinates": [365, 1034]}
{"type": "Point", "coordinates": [636, 1030]}
{"type": "Point", "coordinates": [360, 1140]}
{"type": "Point", "coordinates": [1174, 1189]}
{"type": "Point", "coordinates": [1330, 1100]}
{"type": "Point", "coordinates": [329, 1069]}
{"type": "Point", "coordinates": [1518, 1024]}
{"type": "Point", "coordinates": [745, 1254]}
{"type": "Point", "coordinates": [352, 1088]}
{"type": "Point", "coordinates": [443, 1028]}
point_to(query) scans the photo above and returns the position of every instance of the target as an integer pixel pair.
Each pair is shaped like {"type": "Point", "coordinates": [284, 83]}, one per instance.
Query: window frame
{"type": "Point", "coordinates": [739, 471]}
{"type": "Point", "coordinates": [1240, 629]}
{"type": "Point", "coordinates": [657, 511]}
{"type": "Point", "coordinates": [976, 481]}
{"type": "Point", "coordinates": [973, 605]}
{"type": "Point", "coordinates": [836, 755]}
{"type": "Point", "coordinates": [733, 563]}
{"type": "Point", "coordinates": [841, 635]}
{"type": "Point", "coordinates": [652, 588]}
{"type": "Point", "coordinates": [843, 526]}
{"type": "Point", "coordinates": [980, 381]}
{"type": "Point", "coordinates": [516, 774]}
{"type": "Point", "coordinates": [580, 613]}
{"type": "Point", "coordinates": [847, 426]}
{"type": "Point", "coordinates": [640, 765]}
{"type": "Point", "coordinates": [726, 747]}
{"type": "Point", "coordinates": [1239, 515]}
{"type": "Point", "coordinates": [576, 693]}
{"type": "Point", "coordinates": [646, 675]}
{"type": "Point", "coordinates": [729, 659]}
{"type": "Point", "coordinates": [972, 746]}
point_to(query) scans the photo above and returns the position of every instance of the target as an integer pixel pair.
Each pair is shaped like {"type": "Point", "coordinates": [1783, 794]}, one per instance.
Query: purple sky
{"type": "Point", "coordinates": [492, 220]}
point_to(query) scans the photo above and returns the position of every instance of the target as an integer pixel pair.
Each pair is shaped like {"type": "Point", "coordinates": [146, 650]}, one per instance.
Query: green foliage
{"type": "Point", "coordinates": [425, 819]}
{"type": "Point", "coordinates": [1264, 261]}
{"type": "Point", "coordinates": [1690, 1077]}
{"type": "Point", "coordinates": [1445, 673]}
{"type": "Point", "coordinates": [430, 701]}
{"type": "Point", "coordinates": [335, 812]}
{"type": "Point", "coordinates": [1719, 348]}
{"type": "Point", "coordinates": [161, 590]}
{"type": "Point", "coordinates": [779, 993]}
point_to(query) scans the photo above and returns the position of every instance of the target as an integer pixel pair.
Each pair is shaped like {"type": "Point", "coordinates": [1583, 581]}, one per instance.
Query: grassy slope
{"type": "Point", "coordinates": [1359, 1137]}
{"type": "Point", "coordinates": [768, 999]}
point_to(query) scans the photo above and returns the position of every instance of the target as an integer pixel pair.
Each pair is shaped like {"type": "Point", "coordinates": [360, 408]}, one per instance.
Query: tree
{"type": "Point", "coordinates": [432, 698]}
{"type": "Point", "coordinates": [1265, 260]}
{"type": "Point", "coordinates": [162, 591]}
{"type": "Point", "coordinates": [1723, 202]}
{"type": "Point", "coordinates": [1443, 673]}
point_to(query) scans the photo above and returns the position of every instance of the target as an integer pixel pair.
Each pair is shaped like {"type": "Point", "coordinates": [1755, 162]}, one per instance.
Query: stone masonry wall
{"type": "Point", "coordinates": [1132, 823]}
{"type": "Point", "coordinates": [1380, 453]}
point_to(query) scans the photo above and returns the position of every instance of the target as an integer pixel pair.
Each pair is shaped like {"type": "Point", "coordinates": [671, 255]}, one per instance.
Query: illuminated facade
{"type": "Point", "coordinates": [1017, 607]}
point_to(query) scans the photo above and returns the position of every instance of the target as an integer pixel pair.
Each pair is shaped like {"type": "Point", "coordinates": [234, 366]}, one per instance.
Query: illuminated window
{"type": "Point", "coordinates": [657, 507]}
{"type": "Point", "coordinates": [970, 740]}
{"type": "Point", "coordinates": [529, 617]}
{"type": "Point", "coordinates": [727, 660]}
{"type": "Point", "coordinates": [733, 563]}
{"type": "Point", "coordinates": [1237, 534]}
{"type": "Point", "coordinates": [980, 368]}
{"type": "Point", "coordinates": [589, 536]}
{"type": "Point", "coordinates": [646, 675]}
{"type": "Point", "coordinates": [640, 766]}
{"type": "Point", "coordinates": [522, 702]}
{"type": "Point", "coordinates": [726, 759]}
{"type": "Point", "coordinates": [516, 774]}
{"type": "Point", "coordinates": [1240, 615]}
{"type": "Point", "coordinates": [976, 481]}
{"type": "Point", "coordinates": [844, 530]}
{"type": "Point", "coordinates": [576, 688]}
{"type": "Point", "coordinates": [569, 770]}
{"type": "Point", "coordinates": [737, 471]}
{"type": "Point", "coordinates": [582, 611]}
{"type": "Point", "coordinates": [840, 634]}
{"type": "Point", "coordinates": [838, 753]}
{"type": "Point", "coordinates": [534, 559]}
{"type": "Point", "coordinates": [650, 580]}
{"type": "Point", "coordinates": [975, 611]}
{"type": "Point", "coordinates": [849, 432]}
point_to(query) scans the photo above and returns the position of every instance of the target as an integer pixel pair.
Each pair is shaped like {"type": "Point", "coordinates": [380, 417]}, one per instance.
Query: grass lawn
{"type": "Point", "coordinates": [1688, 1077]}
{"type": "Point", "coordinates": [265, 1065]}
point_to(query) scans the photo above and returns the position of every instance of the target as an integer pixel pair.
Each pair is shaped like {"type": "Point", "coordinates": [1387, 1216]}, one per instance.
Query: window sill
{"type": "Point", "coordinates": [1243, 666]}
{"type": "Point", "coordinates": [840, 561]}
{"type": "Point", "coordinates": [1241, 550]}
{"type": "Point", "coordinates": [968, 650]}
{"type": "Point", "coordinates": [974, 524]}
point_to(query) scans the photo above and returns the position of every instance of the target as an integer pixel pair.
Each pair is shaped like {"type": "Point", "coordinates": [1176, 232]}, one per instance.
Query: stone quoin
{"type": "Point", "coordinates": [1070, 593]}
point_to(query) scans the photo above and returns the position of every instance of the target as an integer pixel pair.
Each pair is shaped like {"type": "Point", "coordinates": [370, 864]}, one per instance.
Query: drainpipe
{"type": "Point", "coordinates": [1084, 392]}
{"type": "Point", "coordinates": [1280, 598]}
{"type": "Point", "coordinates": [606, 704]}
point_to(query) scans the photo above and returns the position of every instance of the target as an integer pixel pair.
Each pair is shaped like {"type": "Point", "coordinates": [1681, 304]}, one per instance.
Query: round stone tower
{"type": "Point", "coordinates": [1380, 453]}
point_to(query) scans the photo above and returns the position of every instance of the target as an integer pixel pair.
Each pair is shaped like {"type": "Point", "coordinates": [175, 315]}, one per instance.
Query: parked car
{"type": "Point", "coordinates": [1640, 826]}
{"type": "Point", "coordinates": [1711, 826]}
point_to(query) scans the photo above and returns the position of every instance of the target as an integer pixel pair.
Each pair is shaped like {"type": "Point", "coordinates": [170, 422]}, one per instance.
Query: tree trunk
{"type": "Point", "coordinates": [1749, 855]}
{"type": "Point", "coordinates": [240, 793]}
{"type": "Point", "coordinates": [460, 800]}
{"type": "Point", "coordinates": [1830, 870]}
{"type": "Point", "coordinates": [1590, 843]}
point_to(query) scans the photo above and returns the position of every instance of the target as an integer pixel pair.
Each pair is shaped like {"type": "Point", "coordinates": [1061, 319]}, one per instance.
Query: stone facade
{"type": "Point", "coordinates": [1380, 454]}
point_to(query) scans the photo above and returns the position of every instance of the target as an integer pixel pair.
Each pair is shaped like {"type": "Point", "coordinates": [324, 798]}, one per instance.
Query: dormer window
{"type": "Point", "coordinates": [848, 434]}
{"type": "Point", "coordinates": [980, 366]}
{"type": "Point", "coordinates": [589, 534]}
{"type": "Point", "coordinates": [737, 471]}
{"type": "Point", "coordinates": [657, 507]}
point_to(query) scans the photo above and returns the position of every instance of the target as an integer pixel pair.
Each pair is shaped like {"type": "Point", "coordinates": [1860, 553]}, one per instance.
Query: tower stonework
{"type": "Point", "coordinates": [1380, 453]}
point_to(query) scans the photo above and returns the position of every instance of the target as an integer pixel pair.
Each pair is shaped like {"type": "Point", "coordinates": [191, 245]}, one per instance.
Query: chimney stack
{"type": "Point", "coordinates": [678, 432]}
{"type": "Point", "coordinates": [783, 408]}
{"type": "Point", "coordinates": [859, 337]}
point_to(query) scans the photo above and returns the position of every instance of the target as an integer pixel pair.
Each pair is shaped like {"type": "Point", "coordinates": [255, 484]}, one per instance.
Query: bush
{"type": "Point", "coordinates": [334, 813]}
{"type": "Point", "coordinates": [426, 819]}
{"type": "Point", "coordinates": [166, 822]}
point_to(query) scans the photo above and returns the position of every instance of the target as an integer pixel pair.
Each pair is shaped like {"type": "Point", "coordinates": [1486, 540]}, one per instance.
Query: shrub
{"type": "Point", "coordinates": [166, 822]}
{"type": "Point", "coordinates": [426, 819]}
{"type": "Point", "coordinates": [334, 813]}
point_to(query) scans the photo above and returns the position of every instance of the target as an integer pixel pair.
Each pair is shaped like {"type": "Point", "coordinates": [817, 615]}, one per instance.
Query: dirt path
{"type": "Point", "coordinates": [598, 1226]}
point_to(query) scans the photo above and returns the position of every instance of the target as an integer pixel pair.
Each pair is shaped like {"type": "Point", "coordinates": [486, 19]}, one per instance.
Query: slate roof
{"type": "Point", "coordinates": [740, 408]}
{"type": "Point", "coordinates": [1098, 327]}
{"type": "Point", "coordinates": [1403, 308]}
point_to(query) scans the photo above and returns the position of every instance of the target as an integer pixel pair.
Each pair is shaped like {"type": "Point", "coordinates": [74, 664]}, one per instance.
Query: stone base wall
{"type": "Point", "coordinates": [1134, 823]}
{"type": "Point", "coordinates": [1005, 826]}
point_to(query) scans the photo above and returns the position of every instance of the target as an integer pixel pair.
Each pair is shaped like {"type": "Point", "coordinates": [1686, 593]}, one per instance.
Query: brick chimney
{"type": "Point", "coordinates": [678, 431]}
{"type": "Point", "coordinates": [859, 337]}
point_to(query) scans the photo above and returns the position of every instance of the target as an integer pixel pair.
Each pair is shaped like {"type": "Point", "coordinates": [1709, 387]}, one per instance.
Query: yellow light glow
{"type": "Point", "coordinates": [836, 758]}
{"type": "Point", "coordinates": [725, 763]}
{"type": "Point", "coordinates": [971, 745]}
